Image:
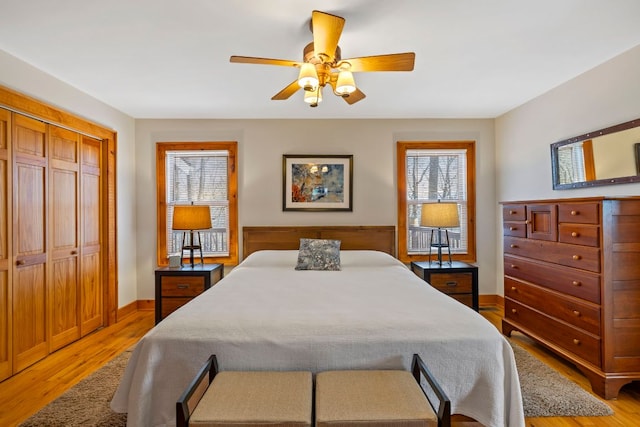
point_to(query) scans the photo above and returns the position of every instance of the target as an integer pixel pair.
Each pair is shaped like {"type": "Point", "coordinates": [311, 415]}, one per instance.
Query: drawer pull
{"type": "Point", "coordinates": [514, 311]}
{"type": "Point", "coordinates": [576, 283]}
{"type": "Point", "coordinates": [576, 257]}
{"type": "Point", "coordinates": [527, 221]}
{"type": "Point", "coordinates": [512, 212]}
{"type": "Point", "coordinates": [20, 262]}
{"type": "Point", "coordinates": [183, 286]}
{"type": "Point", "coordinates": [574, 234]}
{"type": "Point", "coordinates": [452, 283]}
{"type": "Point", "coordinates": [514, 266]}
{"type": "Point", "coordinates": [576, 341]}
{"type": "Point", "coordinates": [512, 228]}
{"type": "Point", "coordinates": [576, 313]}
{"type": "Point", "coordinates": [574, 213]}
{"type": "Point", "coordinates": [514, 289]}
{"type": "Point", "coordinates": [513, 246]}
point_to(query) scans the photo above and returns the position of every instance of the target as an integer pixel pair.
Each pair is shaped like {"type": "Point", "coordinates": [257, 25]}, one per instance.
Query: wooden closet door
{"type": "Point", "coordinates": [92, 288]}
{"type": "Point", "coordinates": [29, 281]}
{"type": "Point", "coordinates": [5, 244]}
{"type": "Point", "coordinates": [63, 292]}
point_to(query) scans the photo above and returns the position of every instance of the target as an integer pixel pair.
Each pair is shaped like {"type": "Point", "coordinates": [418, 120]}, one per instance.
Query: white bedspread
{"type": "Point", "coordinates": [375, 313]}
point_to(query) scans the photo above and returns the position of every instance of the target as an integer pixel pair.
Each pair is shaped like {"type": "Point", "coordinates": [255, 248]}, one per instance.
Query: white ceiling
{"type": "Point", "coordinates": [170, 58]}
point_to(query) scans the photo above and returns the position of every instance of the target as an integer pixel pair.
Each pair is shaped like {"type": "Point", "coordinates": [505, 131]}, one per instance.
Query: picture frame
{"type": "Point", "coordinates": [317, 182]}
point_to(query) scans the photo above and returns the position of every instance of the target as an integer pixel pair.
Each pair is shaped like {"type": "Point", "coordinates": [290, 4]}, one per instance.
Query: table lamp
{"type": "Point", "coordinates": [440, 215]}
{"type": "Point", "coordinates": [190, 218]}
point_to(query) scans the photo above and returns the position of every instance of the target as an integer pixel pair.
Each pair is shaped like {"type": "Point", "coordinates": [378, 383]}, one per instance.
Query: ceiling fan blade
{"type": "Point", "coordinates": [287, 91]}
{"type": "Point", "coordinates": [390, 62]}
{"type": "Point", "coordinates": [354, 97]}
{"type": "Point", "coordinates": [326, 30]}
{"type": "Point", "coordinates": [264, 61]}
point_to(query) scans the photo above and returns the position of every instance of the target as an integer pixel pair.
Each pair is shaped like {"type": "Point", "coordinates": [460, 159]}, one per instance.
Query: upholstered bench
{"type": "Point", "coordinates": [380, 398]}
{"type": "Point", "coordinates": [246, 399]}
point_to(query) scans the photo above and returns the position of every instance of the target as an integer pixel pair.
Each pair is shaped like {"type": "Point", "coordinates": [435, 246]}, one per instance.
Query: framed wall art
{"type": "Point", "coordinates": [317, 182]}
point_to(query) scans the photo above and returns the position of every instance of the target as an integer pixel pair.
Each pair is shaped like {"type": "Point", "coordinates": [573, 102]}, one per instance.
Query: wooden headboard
{"type": "Point", "coordinates": [372, 237]}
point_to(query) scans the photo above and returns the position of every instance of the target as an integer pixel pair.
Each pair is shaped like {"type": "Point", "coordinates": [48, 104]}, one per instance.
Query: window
{"type": "Point", "coordinates": [201, 173]}
{"type": "Point", "coordinates": [429, 172]}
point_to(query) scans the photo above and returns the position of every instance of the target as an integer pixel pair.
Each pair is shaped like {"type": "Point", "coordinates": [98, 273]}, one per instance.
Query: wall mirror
{"type": "Point", "coordinates": [603, 157]}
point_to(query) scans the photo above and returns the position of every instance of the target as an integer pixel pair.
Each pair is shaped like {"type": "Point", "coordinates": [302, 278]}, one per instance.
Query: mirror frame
{"type": "Point", "coordinates": [597, 182]}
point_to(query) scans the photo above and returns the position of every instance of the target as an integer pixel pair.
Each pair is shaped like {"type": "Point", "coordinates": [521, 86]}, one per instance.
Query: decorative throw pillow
{"type": "Point", "coordinates": [319, 254]}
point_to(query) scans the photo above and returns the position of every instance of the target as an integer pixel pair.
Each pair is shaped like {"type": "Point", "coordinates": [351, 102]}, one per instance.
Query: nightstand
{"type": "Point", "coordinates": [459, 280]}
{"type": "Point", "coordinates": [177, 286]}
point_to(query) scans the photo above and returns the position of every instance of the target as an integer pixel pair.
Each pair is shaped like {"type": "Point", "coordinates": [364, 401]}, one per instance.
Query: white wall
{"type": "Point", "coordinates": [24, 78]}
{"type": "Point", "coordinates": [261, 144]}
{"type": "Point", "coordinates": [604, 96]}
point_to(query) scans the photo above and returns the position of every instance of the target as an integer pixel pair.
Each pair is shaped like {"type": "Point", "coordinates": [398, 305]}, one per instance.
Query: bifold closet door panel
{"type": "Point", "coordinates": [5, 244]}
{"type": "Point", "coordinates": [29, 282]}
{"type": "Point", "coordinates": [92, 287]}
{"type": "Point", "coordinates": [64, 294]}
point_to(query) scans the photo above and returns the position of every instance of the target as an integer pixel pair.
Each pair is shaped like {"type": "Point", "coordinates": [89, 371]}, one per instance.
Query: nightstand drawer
{"type": "Point", "coordinates": [457, 279]}
{"type": "Point", "coordinates": [170, 305]}
{"type": "Point", "coordinates": [452, 283]}
{"type": "Point", "coordinates": [182, 286]}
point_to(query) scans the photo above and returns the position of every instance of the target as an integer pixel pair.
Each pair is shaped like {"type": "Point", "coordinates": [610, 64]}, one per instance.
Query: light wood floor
{"type": "Point", "coordinates": [31, 389]}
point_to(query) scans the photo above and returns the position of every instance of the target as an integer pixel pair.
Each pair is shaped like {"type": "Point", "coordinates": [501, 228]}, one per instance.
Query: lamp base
{"type": "Point", "coordinates": [191, 248]}
{"type": "Point", "coordinates": [439, 245]}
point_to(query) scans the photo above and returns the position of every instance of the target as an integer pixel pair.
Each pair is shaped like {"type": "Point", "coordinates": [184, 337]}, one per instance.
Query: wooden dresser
{"type": "Point", "coordinates": [572, 283]}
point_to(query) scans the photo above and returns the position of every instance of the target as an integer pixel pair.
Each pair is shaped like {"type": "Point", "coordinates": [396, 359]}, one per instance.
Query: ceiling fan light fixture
{"type": "Point", "coordinates": [313, 98]}
{"type": "Point", "coordinates": [345, 84]}
{"type": "Point", "coordinates": [308, 77]}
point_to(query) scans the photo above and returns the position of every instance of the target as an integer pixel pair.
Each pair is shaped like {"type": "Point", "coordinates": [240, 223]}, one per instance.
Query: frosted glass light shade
{"type": "Point", "coordinates": [308, 77]}
{"type": "Point", "coordinates": [345, 84]}
{"type": "Point", "coordinates": [313, 97]}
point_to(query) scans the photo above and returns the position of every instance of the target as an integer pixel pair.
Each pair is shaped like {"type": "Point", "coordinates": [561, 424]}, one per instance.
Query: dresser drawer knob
{"type": "Point", "coordinates": [513, 246]}
{"type": "Point", "coordinates": [514, 289]}
{"type": "Point", "coordinates": [574, 213]}
{"type": "Point", "coordinates": [576, 341]}
{"type": "Point", "coordinates": [514, 266]}
{"type": "Point", "coordinates": [576, 283]}
{"type": "Point", "coordinates": [514, 311]}
{"type": "Point", "coordinates": [512, 228]}
{"type": "Point", "coordinates": [512, 212]}
{"type": "Point", "coordinates": [576, 313]}
{"type": "Point", "coordinates": [527, 222]}
{"type": "Point", "coordinates": [574, 234]}
{"type": "Point", "coordinates": [576, 257]}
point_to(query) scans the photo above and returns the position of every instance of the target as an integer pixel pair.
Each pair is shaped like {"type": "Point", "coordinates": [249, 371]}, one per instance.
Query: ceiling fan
{"type": "Point", "coordinates": [322, 63]}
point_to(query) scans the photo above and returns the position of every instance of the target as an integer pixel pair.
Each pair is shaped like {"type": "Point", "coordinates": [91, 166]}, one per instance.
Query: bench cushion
{"type": "Point", "coordinates": [390, 398]}
{"type": "Point", "coordinates": [256, 398]}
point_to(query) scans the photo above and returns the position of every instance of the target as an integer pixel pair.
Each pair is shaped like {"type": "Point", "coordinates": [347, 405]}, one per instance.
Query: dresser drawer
{"type": "Point", "coordinates": [585, 213]}
{"type": "Point", "coordinates": [583, 257]}
{"type": "Point", "coordinates": [579, 314]}
{"type": "Point", "coordinates": [574, 340]}
{"type": "Point", "coordinates": [452, 283]}
{"type": "Point", "coordinates": [579, 234]}
{"type": "Point", "coordinates": [566, 280]}
{"type": "Point", "coordinates": [182, 286]}
{"type": "Point", "coordinates": [517, 229]}
{"type": "Point", "coordinates": [514, 213]}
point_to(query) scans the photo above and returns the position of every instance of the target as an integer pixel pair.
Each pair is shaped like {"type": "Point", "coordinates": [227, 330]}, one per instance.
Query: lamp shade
{"type": "Point", "coordinates": [345, 84]}
{"type": "Point", "coordinates": [313, 97]}
{"type": "Point", "coordinates": [439, 215]}
{"type": "Point", "coordinates": [190, 217]}
{"type": "Point", "coordinates": [308, 77]}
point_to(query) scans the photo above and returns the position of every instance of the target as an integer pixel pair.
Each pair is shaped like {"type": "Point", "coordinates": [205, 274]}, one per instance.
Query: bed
{"type": "Point", "coordinates": [373, 313]}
